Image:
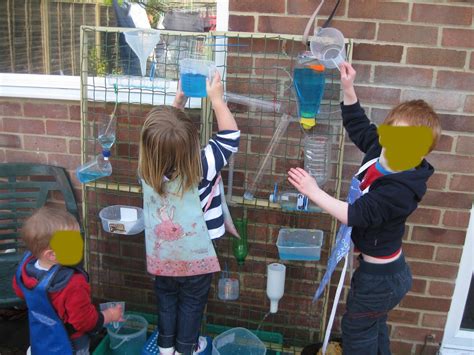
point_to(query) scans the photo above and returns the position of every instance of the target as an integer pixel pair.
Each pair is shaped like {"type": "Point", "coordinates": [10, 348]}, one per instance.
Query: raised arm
{"type": "Point", "coordinates": [215, 91]}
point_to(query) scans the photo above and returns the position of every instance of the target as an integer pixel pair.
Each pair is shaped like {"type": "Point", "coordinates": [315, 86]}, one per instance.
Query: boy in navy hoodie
{"type": "Point", "coordinates": [390, 184]}
{"type": "Point", "coordinates": [60, 312]}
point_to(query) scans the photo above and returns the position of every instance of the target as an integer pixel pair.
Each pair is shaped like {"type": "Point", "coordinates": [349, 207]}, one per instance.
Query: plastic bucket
{"type": "Point", "coordinates": [118, 219]}
{"type": "Point", "coordinates": [327, 46]}
{"type": "Point", "coordinates": [193, 74]}
{"type": "Point", "coordinates": [238, 341]}
{"type": "Point", "coordinates": [130, 337]}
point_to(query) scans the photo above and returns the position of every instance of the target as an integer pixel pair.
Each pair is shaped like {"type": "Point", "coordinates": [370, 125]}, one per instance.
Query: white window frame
{"type": "Point", "coordinates": [455, 340]}
{"type": "Point", "coordinates": [62, 87]}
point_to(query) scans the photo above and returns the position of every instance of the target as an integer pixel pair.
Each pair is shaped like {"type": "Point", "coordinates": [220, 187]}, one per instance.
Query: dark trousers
{"type": "Point", "coordinates": [375, 290]}
{"type": "Point", "coordinates": [181, 303]}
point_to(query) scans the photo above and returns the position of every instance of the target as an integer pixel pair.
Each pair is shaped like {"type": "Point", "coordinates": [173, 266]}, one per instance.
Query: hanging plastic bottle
{"type": "Point", "coordinates": [309, 83]}
{"type": "Point", "coordinates": [240, 246]}
{"type": "Point", "coordinates": [317, 154]}
{"type": "Point", "coordinates": [292, 201]}
{"type": "Point", "coordinates": [95, 169]}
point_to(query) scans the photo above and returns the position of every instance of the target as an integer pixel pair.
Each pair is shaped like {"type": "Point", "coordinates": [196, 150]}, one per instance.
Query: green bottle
{"type": "Point", "coordinates": [240, 246]}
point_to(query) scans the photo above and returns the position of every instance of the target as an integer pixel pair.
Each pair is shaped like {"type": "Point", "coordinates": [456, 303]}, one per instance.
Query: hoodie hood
{"type": "Point", "coordinates": [31, 276]}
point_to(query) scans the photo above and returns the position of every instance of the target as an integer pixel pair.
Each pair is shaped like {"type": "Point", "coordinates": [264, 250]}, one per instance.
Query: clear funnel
{"type": "Point", "coordinates": [142, 43]}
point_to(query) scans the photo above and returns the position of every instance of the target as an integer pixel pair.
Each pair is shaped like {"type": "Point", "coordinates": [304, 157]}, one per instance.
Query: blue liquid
{"type": "Point", "coordinates": [88, 176]}
{"type": "Point", "coordinates": [309, 86]}
{"type": "Point", "coordinates": [107, 141]}
{"type": "Point", "coordinates": [288, 256]}
{"type": "Point", "coordinates": [194, 85]}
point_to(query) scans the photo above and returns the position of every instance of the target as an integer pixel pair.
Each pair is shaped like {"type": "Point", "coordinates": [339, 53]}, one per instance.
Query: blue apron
{"type": "Point", "coordinates": [47, 332]}
{"type": "Point", "coordinates": [176, 237]}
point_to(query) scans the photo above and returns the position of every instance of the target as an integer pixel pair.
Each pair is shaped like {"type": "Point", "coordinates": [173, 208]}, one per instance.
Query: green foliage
{"type": "Point", "coordinates": [97, 64]}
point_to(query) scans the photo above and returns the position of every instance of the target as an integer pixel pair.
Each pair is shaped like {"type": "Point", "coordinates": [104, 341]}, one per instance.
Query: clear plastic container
{"type": "Point", "coordinates": [228, 289]}
{"type": "Point", "coordinates": [193, 75]}
{"type": "Point", "coordinates": [104, 306]}
{"type": "Point", "coordinates": [300, 244]}
{"type": "Point", "coordinates": [294, 201]}
{"type": "Point", "coordinates": [95, 169]}
{"type": "Point", "coordinates": [122, 219]}
{"type": "Point", "coordinates": [317, 153]}
{"type": "Point", "coordinates": [327, 46]}
{"type": "Point", "coordinates": [130, 337]}
{"type": "Point", "coordinates": [238, 341]}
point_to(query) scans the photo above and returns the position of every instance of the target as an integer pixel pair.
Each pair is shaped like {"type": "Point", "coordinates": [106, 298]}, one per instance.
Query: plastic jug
{"type": "Point", "coordinates": [238, 341]}
{"type": "Point", "coordinates": [193, 75]}
{"type": "Point", "coordinates": [309, 82]}
{"type": "Point", "coordinates": [327, 46]}
{"type": "Point", "coordinates": [294, 201]}
{"type": "Point", "coordinates": [130, 337]}
{"type": "Point", "coordinates": [95, 169]}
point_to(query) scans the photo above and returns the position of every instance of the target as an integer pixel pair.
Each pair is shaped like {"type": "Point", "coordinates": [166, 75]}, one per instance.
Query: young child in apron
{"type": "Point", "coordinates": [183, 213]}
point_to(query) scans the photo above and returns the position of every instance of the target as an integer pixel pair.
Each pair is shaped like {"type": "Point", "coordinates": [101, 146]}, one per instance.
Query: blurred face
{"type": "Point", "coordinates": [404, 146]}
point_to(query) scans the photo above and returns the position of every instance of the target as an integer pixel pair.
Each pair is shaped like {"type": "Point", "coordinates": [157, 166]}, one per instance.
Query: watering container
{"type": "Point", "coordinates": [193, 75]}
{"type": "Point", "coordinates": [238, 341]}
{"type": "Point", "coordinates": [95, 169]}
{"type": "Point", "coordinates": [130, 337]}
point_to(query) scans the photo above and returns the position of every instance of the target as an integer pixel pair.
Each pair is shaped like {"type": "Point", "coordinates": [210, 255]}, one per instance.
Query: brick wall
{"type": "Point", "coordinates": [406, 50]}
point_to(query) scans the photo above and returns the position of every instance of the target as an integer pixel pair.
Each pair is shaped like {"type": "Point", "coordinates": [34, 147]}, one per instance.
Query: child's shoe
{"type": "Point", "coordinates": [166, 351]}
{"type": "Point", "coordinates": [202, 345]}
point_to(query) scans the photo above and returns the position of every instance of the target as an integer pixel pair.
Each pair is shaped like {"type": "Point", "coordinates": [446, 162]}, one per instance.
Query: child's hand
{"type": "Point", "coordinates": [348, 75]}
{"type": "Point", "coordinates": [303, 182]}
{"type": "Point", "coordinates": [113, 314]}
{"type": "Point", "coordinates": [180, 99]}
{"type": "Point", "coordinates": [215, 89]}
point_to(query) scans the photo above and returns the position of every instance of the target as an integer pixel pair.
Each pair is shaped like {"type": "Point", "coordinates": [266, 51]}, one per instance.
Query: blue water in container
{"type": "Point", "coordinates": [106, 141]}
{"type": "Point", "coordinates": [194, 85]}
{"type": "Point", "coordinates": [85, 176]}
{"type": "Point", "coordinates": [309, 86]}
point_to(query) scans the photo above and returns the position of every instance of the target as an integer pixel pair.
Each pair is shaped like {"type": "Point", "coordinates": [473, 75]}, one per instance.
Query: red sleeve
{"type": "Point", "coordinates": [17, 288]}
{"type": "Point", "coordinates": [79, 310]}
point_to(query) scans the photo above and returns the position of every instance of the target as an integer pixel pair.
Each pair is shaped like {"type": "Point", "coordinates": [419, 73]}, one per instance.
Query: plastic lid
{"type": "Point", "coordinates": [317, 67]}
{"type": "Point", "coordinates": [106, 153]}
{"type": "Point", "coordinates": [270, 198]}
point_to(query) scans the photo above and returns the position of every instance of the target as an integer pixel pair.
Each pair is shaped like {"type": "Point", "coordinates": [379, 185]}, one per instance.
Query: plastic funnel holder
{"type": "Point", "coordinates": [238, 341]}
{"type": "Point", "coordinates": [193, 75]}
{"type": "Point", "coordinates": [122, 219]}
{"type": "Point", "coordinates": [275, 284]}
{"type": "Point", "coordinates": [327, 46]}
{"type": "Point", "coordinates": [142, 43]}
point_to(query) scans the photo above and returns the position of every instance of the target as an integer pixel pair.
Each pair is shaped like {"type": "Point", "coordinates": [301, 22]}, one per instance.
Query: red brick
{"type": "Point", "coordinates": [65, 160]}
{"type": "Point", "coordinates": [418, 286]}
{"type": "Point", "coordinates": [462, 183]}
{"type": "Point", "coordinates": [10, 141]}
{"type": "Point", "coordinates": [465, 145]}
{"type": "Point", "coordinates": [448, 199]}
{"type": "Point", "coordinates": [23, 125]}
{"type": "Point", "coordinates": [10, 109]}
{"type": "Point", "coordinates": [2, 156]}
{"type": "Point", "coordinates": [471, 66]}
{"type": "Point", "coordinates": [378, 52]}
{"type": "Point", "coordinates": [452, 255]}
{"type": "Point", "coordinates": [469, 104]}
{"type": "Point", "coordinates": [75, 112]}
{"type": "Point", "coordinates": [373, 9]}
{"type": "Point", "coordinates": [391, 32]}
{"type": "Point", "coordinates": [456, 37]}
{"type": "Point", "coordinates": [433, 270]}
{"type": "Point", "coordinates": [400, 347]}
{"type": "Point", "coordinates": [45, 144]}
{"type": "Point", "coordinates": [377, 95]}
{"type": "Point", "coordinates": [444, 144]}
{"type": "Point", "coordinates": [438, 235]}
{"type": "Point", "coordinates": [434, 321]}
{"type": "Point", "coordinates": [242, 23]}
{"type": "Point", "coordinates": [414, 333]}
{"type": "Point", "coordinates": [439, 288]}
{"type": "Point", "coordinates": [402, 76]}
{"type": "Point", "coordinates": [59, 111]}
{"type": "Point", "coordinates": [64, 128]}
{"type": "Point", "coordinates": [425, 216]}
{"type": "Point", "coordinates": [24, 157]}
{"type": "Point", "coordinates": [436, 57]}
{"type": "Point", "coordinates": [307, 7]}
{"type": "Point", "coordinates": [460, 123]}
{"type": "Point", "coordinates": [275, 24]}
{"type": "Point", "coordinates": [458, 219]}
{"type": "Point", "coordinates": [363, 72]}
{"type": "Point", "coordinates": [275, 6]}
{"type": "Point", "coordinates": [429, 349]}
{"type": "Point", "coordinates": [437, 181]}
{"type": "Point", "coordinates": [452, 163]}
{"type": "Point", "coordinates": [440, 100]}
{"type": "Point", "coordinates": [426, 303]}
{"type": "Point", "coordinates": [418, 251]}
{"type": "Point", "coordinates": [353, 29]}
{"type": "Point", "coordinates": [403, 316]}
{"type": "Point", "coordinates": [378, 115]}
{"type": "Point", "coordinates": [455, 80]}
{"type": "Point", "coordinates": [455, 15]}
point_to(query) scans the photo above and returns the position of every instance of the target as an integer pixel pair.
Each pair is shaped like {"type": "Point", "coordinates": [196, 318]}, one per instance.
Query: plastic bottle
{"type": "Point", "coordinates": [95, 169]}
{"type": "Point", "coordinates": [294, 201]}
{"type": "Point", "coordinates": [317, 153]}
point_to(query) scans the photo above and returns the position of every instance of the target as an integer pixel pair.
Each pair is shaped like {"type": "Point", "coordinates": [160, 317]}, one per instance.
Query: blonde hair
{"type": "Point", "coordinates": [38, 229]}
{"type": "Point", "coordinates": [416, 113]}
{"type": "Point", "coordinates": [169, 146]}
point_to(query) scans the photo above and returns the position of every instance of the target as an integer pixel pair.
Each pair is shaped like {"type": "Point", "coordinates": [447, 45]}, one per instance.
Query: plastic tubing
{"type": "Point", "coordinates": [264, 105]}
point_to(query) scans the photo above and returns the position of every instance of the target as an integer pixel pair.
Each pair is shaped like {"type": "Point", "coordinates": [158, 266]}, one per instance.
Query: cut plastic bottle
{"type": "Point", "coordinates": [96, 168]}
{"type": "Point", "coordinates": [317, 153]}
{"type": "Point", "coordinates": [294, 201]}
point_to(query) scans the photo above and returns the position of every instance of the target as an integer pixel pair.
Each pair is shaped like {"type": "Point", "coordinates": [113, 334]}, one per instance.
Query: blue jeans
{"type": "Point", "coordinates": [375, 290]}
{"type": "Point", "coordinates": [181, 303]}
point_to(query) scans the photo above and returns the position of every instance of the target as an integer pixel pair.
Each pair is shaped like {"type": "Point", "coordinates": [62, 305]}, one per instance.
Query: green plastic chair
{"type": "Point", "coordinates": [24, 187]}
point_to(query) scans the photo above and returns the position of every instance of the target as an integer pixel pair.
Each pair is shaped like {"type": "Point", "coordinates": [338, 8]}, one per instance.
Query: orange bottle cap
{"type": "Point", "coordinates": [317, 67]}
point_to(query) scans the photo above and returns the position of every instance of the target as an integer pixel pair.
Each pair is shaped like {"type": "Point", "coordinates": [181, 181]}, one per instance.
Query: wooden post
{"type": "Point", "coordinates": [45, 33]}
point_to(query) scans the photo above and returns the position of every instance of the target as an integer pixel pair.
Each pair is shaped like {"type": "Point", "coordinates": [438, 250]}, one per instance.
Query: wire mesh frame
{"type": "Point", "coordinates": [256, 65]}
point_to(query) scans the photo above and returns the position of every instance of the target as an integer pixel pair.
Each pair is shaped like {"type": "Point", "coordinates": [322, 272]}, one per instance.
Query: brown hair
{"type": "Point", "coordinates": [416, 113]}
{"type": "Point", "coordinates": [40, 227]}
{"type": "Point", "coordinates": [169, 146]}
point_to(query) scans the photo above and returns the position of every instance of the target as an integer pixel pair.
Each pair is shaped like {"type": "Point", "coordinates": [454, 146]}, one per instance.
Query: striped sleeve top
{"type": "Point", "coordinates": [214, 157]}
